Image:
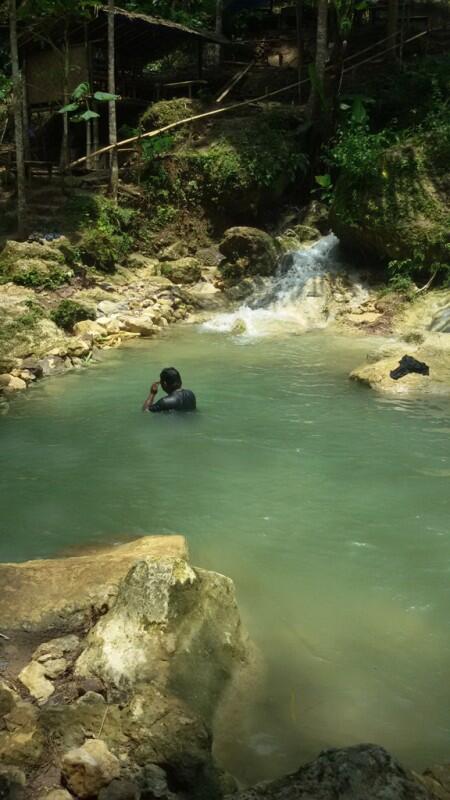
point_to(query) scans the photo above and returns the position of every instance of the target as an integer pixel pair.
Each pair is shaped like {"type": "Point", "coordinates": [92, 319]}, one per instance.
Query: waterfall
{"type": "Point", "coordinates": [309, 289]}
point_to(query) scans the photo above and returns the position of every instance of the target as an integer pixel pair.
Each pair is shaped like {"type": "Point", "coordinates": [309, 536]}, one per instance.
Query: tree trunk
{"type": "Point", "coordinates": [18, 122]}
{"type": "Point", "coordinates": [219, 28]}
{"type": "Point", "coordinates": [321, 59]}
{"type": "Point", "coordinates": [392, 27]}
{"type": "Point", "coordinates": [298, 25]}
{"type": "Point", "coordinates": [114, 163]}
{"type": "Point", "coordinates": [65, 155]}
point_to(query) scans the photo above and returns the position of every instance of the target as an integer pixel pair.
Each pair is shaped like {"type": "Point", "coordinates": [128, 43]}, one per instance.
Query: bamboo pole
{"type": "Point", "coordinates": [242, 104]}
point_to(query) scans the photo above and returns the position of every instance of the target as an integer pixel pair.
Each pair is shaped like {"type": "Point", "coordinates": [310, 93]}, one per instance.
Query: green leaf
{"type": "Point", "coordinates": [87, 115]}
{"type": "Point", "coordinates": [67, 109]}
{"type": "Point", "coordinates": [324, 181]}
{"type": "Point", "coordinates": [81, 91]}
{"type": "Point", "coordinates": [359, 113]}
{"type": "Point", "coordinates": [105, 96]}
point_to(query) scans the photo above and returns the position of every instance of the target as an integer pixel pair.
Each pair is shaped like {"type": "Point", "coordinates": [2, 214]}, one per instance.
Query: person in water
{"type": "Point", "coordinates": [177, 399]}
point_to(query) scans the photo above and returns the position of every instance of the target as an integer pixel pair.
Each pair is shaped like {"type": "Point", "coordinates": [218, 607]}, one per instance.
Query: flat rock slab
{"type": "Point", "coordinates": [58, 594]}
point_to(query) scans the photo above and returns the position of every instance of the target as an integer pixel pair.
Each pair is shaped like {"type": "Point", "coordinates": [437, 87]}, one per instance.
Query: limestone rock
{"type": "Point", "coordinates": [111, 324]}
{"type": "Point", "coordinates": [14, 385]}
{"type": "Point", "coordinates": [248, 251]}
{"type": "Point", "coordinates": [175, 251]}
{"type": "Point", "coordinates": [142, 262]}
{"type": "Point", "coordinates": [58, 794]}
{"type": "Point", "coordinates": [41, 595]}
{"type": "Point", "coordinates": [87, 769]}
{"type": "Point", "coordinates": [89, 328]}
{"type": "Point", "coordinates": [183, 270]}
{"type": "Point", "coordinates": [56, 648]}
{"type": "Point", "coordinates": [7, 699]}
{"type": "Point", "coordinates": [33, 677]}
{"type": "Point", "coordinates": [108, 307]}
{"type": "Point", "coordinates": [144, 326]}
{"type": "Point", "coordinates": [55, 667]}
{"type": "Point", "coordinates": [21, 741]}
{"type": "Point", "coordinates": [31, 261]}
{"type": "Point", "coordinates": [363, 772]}
{"type": "Point", "coordinates": [376, 375]}
{"type": "Point", "coordinates": [174, 626]}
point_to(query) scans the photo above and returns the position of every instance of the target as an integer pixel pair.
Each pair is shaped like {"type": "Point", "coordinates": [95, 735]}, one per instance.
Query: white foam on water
{"type": "Point", "coordinates": [296, 298]}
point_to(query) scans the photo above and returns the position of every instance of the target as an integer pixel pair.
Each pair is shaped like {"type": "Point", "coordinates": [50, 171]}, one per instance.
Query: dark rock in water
{"type": "Point", "coordinates": [120, 790]}
{"type": "Point", "coordinates": [363, 772]}
{"type": "Point", "coordinates": [409, 364]}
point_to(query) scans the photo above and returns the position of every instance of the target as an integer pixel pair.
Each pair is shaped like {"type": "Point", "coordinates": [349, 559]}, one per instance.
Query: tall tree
{"type": "Point", "coordinates": [18, 121]}
{"type": "Point", "coordinates": [318, 71]}
{"type": "Point", "coordinates": [392, 26]}
{"type": "Point", "coordinates": [114, 162]}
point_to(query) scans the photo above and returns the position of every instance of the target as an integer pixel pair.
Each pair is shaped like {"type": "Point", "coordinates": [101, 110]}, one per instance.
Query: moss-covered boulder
{"type": "Point", "coordinates": [398, 209]}
{"type": "Point", "coordinates": [248, 251]}
{"type": "Point", "coordinates": [33, 264]}
{"type": "Point", "coordinates": [183, 270]}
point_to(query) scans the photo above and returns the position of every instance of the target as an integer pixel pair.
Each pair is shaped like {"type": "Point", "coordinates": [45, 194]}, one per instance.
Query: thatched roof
{"type": "Point", "coordinates": [176, 27]}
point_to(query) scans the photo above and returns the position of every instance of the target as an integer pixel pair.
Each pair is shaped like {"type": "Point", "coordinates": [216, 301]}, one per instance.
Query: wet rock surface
{"type": "Point", "coordinates": [363, 772]}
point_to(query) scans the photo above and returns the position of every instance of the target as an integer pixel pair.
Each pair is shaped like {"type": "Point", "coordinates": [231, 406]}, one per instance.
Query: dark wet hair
{"type": "Point", "coordinates": [171, 378]}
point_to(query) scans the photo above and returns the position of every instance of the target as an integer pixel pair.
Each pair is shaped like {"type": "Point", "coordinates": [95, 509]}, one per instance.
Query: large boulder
{"type": "Point", "coordinates": [248, 251]}
{"type": "Point", "coordinates": [376, 374]}
{"type": "Point", "coordinates": [362, 772]}
{"type": "Point", "coordinates": [182, 270]}
{"type": "Point", "coordinates": [33, 264]}
{"type": "Point", "coordinates": [48, 594]}
{"type": "Point", "coordinates": [171, 625]}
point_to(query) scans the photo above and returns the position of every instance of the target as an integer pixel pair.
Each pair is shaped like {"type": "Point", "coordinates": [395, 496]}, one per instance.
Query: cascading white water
{"type": "Point", "coordinates": [299, 296]}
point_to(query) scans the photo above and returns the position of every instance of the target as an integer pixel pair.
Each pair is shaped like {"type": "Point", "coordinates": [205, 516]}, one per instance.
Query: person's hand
{"type": "Point", "coordinates": [155, 387]}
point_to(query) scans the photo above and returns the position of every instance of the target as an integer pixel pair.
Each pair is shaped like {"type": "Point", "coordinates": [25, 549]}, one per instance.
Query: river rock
{"type": "Point", "coordinates": [362, 772]}
{"type": "Point", "coordinates": [43, 595]}
{"type": "Point", "coordinates": [376, 374]}
{"type": "Point", "coordinates": [182, 270]}
{"type": "Point", "coordinates": [87, 769]}
{"type": "Point", "coordinates": [33, 676]}
{"type": "Point", "coordinates": [171, 625]}
{"type": "Point", "coordinates": [21, 740]}
{"type": "Point", "coordinates": [14, 385]}
{"type": "Point", "coordinates": [8, 698]}
{"type": "Point", "coordinates": [144, 326]}
{"type": "Point", "coordinates": [248, 251]}
{"type": "Point", "coordinates": [58, 794]}
{"type": "Point", "coordinates": [89, 328]}
{"type": "Point", "coordinates": [12, 783]}
{"type": "Point", "coordinates": [56, 648]}
{"type": "Point", "coordinates": [111, 324]}
{"type": "Point", "coordinates": [55, 667]}
{"type": "Point", "coordinates": [120, 790]}
{"type": "Point", "coordinates": [175, 251]}
{"type": "Point", "coordinates": [141, 262]}
{"type": "Point", "coordinates": [52, 365]}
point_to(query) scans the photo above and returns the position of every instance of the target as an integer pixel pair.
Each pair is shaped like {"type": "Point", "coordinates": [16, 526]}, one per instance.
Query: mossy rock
{"type": "Point", "coordinates": [399, 212]}
{"type": "Point", "coordinates": [183, 270]}
{"type": "Point", "coordinates": [33, 264]}
{"type": "Point", "coordinates": [165, 112]}
{"type": "Point", "coordinates": [248, 251]}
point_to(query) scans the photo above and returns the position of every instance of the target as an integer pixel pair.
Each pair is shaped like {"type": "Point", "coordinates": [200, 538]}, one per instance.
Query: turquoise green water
{"type": "Point", "coordinates": [328, 505]}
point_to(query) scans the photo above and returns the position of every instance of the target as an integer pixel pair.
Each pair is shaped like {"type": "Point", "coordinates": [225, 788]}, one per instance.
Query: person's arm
{"type": "Point", "coordinates": [150, 399]}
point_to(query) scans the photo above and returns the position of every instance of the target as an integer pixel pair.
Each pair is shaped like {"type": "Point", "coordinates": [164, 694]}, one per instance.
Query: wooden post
{"type": "Point", "coordinates": [219, 28]}
{"type": "Point", "coordinates": [199, 59]}
{"type": "Point", "coordinates": [114, 161]}
{"type": "Point", "coordinates": [96, 135]}
{"type": "Point", "coordinates": [88, 144]}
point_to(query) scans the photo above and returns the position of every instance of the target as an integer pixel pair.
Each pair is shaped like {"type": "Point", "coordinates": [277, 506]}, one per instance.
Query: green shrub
{"type": "Point", "coordinates": [36, 279]}
{"type": "Point", "coordinates": [103, 249]}
{"type": "Point", "coordinates": [69, 312]}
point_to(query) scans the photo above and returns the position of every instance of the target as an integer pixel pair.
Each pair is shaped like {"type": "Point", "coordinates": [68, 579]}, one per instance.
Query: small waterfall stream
{"type": "Point", "coordinates": [306, 293]}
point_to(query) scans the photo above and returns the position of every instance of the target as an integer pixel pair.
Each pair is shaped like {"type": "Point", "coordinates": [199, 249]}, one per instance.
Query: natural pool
{"type": "Point", "coordinates": [327, 505]}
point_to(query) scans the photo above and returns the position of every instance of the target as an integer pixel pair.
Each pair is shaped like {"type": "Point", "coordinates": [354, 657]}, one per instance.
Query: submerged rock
{"type": "Point", "coordinates": [362, 772]}
{"type": "Point", "coordinates": [248, 251]}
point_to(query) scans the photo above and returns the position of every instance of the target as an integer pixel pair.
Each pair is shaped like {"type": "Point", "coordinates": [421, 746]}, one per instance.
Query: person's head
{"type": "Point", "coordinates": [170, 379]}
